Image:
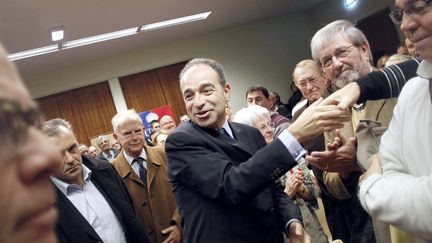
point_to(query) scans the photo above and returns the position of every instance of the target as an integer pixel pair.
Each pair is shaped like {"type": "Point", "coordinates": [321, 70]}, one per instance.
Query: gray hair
{"type": "Point", "coordinates": [216, 66]}
{"type": "Point", "coordinates": [307, 63]}
{"type": "Point", "coordinates": [249, 115]}
{"type": "Point", "coordinates": [339, 27]}
{"type": "Point", "coordinates": [54, 126]}
{"type": "Point", "coordinates": [129, 113]}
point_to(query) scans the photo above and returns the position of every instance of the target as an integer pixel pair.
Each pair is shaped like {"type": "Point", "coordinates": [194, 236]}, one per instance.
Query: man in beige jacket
{"type": "Point", "coordinates": [143, 170]}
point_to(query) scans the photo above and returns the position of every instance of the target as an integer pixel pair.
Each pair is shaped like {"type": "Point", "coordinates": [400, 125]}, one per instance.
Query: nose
{"type": "Point", "coordinates": [336, 62]}
{"type": "Point", "coordinates": [39, 158]}
{"type": "Point", "coordinates": [199, 101]}
{"type": "Point", "coordinates": [408, 23]}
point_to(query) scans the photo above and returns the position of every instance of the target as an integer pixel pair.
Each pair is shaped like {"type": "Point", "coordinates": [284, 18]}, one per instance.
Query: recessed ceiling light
{"type": "Point", "coordinates": [99, 38]}
{"type": "Point", "coordinates": [57, 33]}
{"type": "Point", "coordinates": [177, 21]}
{"type": "Point", "coordinates": [33, 52]}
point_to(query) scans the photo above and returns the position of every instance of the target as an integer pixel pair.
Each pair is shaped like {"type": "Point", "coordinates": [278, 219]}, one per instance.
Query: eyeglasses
{"type": "Point", "coordinates": [264, 126]}
{"type": "Point", "coordinates": [414, 8]}
{"type": "Point", "coordinates": [339, 54]}
{"type": "Point", "coordinates": [129, 134]}
{"type": "Point", "coordinates": [311, 80]}
{"type": "Point", "coordinates": [14, 121]}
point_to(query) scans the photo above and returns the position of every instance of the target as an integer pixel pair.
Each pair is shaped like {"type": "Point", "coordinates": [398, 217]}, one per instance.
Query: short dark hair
{"type": "Point", "coordinates": [258, 88]}
{"type": "Point", "coordinates": [215, 65]}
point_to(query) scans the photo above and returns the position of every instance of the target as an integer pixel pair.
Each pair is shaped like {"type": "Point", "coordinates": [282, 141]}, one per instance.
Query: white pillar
{"type": "Point", "coordinates": [117, 93]}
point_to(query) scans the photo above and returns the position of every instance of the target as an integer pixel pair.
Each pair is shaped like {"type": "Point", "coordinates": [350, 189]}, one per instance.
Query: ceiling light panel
{"type": "Point", "coordinates": [33, 52]}
{"type": "Point", "coordinates": [99, 38]}
{"type": "Point", "coordinates": [177, 21]}
{"type": "Point", "coordinates": [57, 34]}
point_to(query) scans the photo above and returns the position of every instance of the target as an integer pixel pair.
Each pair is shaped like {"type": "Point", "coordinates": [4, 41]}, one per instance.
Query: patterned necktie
{"type": "Point", "coordinates": [142, 170]}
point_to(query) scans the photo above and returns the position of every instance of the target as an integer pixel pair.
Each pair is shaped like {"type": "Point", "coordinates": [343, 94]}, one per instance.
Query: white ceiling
{"type": "Point", "coordinates": [25, 24]}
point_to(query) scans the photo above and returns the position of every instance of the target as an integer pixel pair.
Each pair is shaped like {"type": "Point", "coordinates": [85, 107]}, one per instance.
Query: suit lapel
{"type": "Point", "coordinates": [71, 220]}
{"type": "Point", "coordinates": [127, 171]}
{"type": "Point", "coordinates": [239, 142]}
{"type": "Point", "coordinates": [152, 168]}
{"type": "Point", "coordinates": [373, 109]}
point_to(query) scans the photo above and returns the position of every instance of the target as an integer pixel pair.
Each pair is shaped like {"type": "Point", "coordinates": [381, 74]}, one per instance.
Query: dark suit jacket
{"type": "Point", "coordinates": [101, 157]}
{"type": "Point", "coordinates": [226, 188]}
{"type": "Point", "coordinates": [72, 226]}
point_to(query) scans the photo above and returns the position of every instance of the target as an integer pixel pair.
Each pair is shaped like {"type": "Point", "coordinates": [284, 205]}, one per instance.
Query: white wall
{"type": "Point", "coordinates": [260, 53]}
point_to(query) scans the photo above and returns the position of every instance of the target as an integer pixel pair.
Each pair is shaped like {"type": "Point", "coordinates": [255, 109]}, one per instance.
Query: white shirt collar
{"type": "Point", "coordinates": [130, 159]}
{"type": "Point", "coordinates": [64, 186]}
{"type": "Point", "coordinates": [425, 70]}
{"type": "Point", "coordinates": [228, 128]}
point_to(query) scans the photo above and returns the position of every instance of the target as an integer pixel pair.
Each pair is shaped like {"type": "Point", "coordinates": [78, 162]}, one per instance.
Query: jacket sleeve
{"type": "Point", "coordinates": [195, 163]}
{"type": "Point", "coordinates": [388, 82]}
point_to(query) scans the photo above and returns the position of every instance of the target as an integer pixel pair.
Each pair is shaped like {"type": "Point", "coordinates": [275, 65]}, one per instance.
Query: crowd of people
{"type": "Point", "coordinates": [253, 176]}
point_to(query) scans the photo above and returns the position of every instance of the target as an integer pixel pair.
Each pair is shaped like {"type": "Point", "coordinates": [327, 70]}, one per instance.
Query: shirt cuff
{"type": "Point", "coordinates": [288, 224]}
{"type": "Point", "coordinates": [364, 186]}
{"type": "Point", "coordinates": [293, 146]}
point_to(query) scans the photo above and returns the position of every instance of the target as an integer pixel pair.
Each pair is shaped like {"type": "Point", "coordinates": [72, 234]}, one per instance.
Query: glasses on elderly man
{"type": "Point", "coordinates": [14, 121]}
{"type": "Point", "coordinates": [340, 53]}
{"type": "Point", "coordinates": [413, 9]}
{"type": "Point", "coordinates": [311, 80]}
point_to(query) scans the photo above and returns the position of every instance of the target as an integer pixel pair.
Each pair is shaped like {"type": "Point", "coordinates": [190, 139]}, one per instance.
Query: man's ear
{"type": "Point", "coordinates": [115, 136]}
{"type": "Point", "coordinates": [227, 92]}
{"type": "Point", "coordinates": [364, 47]}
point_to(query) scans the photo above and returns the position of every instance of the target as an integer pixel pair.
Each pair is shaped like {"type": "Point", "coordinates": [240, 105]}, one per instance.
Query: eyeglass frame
{"type": "Point", "coordinates": [411, 10]}
{"type": "Point", "coordinates": [342, 53]}
{"type": "Point", "coordinates": [15, 121]}
{"type": "Point", "coordinates": [268, 124]}
{"type": "Point", "coordinates": [311, 80]}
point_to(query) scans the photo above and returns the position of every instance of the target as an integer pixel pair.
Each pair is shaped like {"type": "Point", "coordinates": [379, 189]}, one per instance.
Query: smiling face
{"type": "Point", "coordinates": [71, 170]}
{"type": "Point", "coordinates": [349, 68]}
{"type": "Point", "coordinates": [204, 96]}
{"type": "Point", "coordinates": [26, 194]}
{"type": "Point", "coordinates": [418, 29]}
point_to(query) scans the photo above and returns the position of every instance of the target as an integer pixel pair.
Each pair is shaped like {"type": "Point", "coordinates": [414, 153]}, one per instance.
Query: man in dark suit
{"type": "Point", "coordinates": [93, 203]}
{"type": "Point", "coordinates": [223, 174]}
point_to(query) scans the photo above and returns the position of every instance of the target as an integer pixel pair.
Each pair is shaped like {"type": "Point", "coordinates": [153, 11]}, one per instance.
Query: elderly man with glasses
{"type": "Point", "coordinates": [344, 54]}
{"type": "Point", "coordinates": [396, 189]}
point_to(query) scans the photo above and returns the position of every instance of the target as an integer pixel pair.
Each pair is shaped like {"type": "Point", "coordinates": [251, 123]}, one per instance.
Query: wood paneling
{"type": "Point", "coordinates": [89, 109]}
{"type": "Point", "coordinates": [154, 88]}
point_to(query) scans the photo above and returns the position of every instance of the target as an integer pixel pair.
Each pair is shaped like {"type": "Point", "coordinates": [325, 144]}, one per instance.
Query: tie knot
{"type": "Point", "coordinates": [138, 160]}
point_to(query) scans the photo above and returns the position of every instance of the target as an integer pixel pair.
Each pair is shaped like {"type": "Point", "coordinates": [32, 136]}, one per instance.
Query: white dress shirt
{"type": "Point", "coordinates": [94, 208]}
{"type": "Point", "coordinates": [135, 166]}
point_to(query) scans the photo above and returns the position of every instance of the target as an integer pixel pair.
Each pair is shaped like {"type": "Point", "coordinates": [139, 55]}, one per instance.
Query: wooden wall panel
{"type": "Point", "coordinates": [169, 80]}
{"type": "Point", "coordinates": [154, 88]}
{"type": "Point", "coordinates": [142, 91]}
{"type": "Point", "coordinates": [89, 109]}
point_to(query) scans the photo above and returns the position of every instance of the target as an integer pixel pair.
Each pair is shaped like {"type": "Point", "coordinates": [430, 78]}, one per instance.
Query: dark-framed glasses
{"type": "Point", "coordinates": [339, 54]}
{"type": "Point", "coordinates": [14, 121]}
{"type": "Point", "coordinates": [413, 8]}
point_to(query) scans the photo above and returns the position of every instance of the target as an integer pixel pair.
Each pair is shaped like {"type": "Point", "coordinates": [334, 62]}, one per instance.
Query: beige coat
{"type": "Point", "coordinates": [155, 205]}
{"type": "Point", "coordinates": [378, 110]}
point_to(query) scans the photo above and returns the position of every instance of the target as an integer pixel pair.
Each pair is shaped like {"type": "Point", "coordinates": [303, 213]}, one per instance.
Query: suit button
{"type": "Point", "coordinates": [144, 204]}
{"type": "Point", "coordinates": [271, 210]}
